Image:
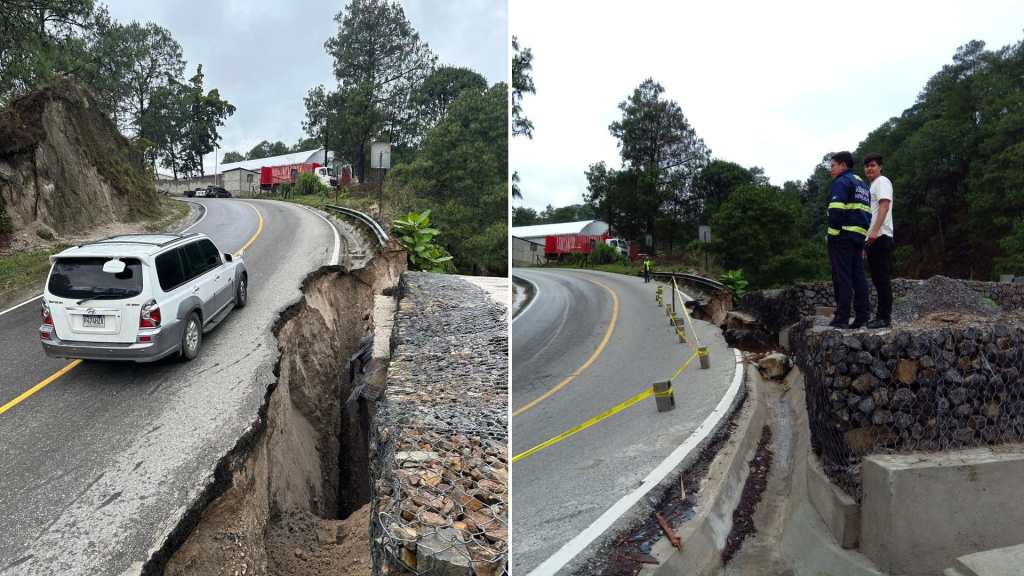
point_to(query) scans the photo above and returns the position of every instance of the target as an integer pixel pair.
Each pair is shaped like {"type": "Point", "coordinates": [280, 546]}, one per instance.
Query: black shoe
{"type": "Point", "coordinates": [841, 324]}
{"type": "Point", "coordinates": [857, 324]}
{"type": "Point", "coordinates": [880, 323]}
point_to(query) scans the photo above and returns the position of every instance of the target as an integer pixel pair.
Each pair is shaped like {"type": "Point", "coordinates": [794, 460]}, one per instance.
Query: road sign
{"type": "Point", "coordinates": [380, 155]}
{"type": "Point", "coordinates": [704, 233]}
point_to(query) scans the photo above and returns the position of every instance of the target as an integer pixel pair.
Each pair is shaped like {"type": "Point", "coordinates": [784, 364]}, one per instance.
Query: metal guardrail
{"type": "Point", "coordinates": [691, 279]}
{"type": "Point", "coordinates": [378, 230]}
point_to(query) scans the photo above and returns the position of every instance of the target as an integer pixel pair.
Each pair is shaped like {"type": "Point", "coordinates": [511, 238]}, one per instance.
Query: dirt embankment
{"type": "Point", "coordinates": [64, 165]}
{"type": "Point", "coordinates": [292, 497]}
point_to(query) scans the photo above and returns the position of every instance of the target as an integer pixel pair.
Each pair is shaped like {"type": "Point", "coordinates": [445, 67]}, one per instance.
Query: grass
{"type": "Point", "coordinates": [22, 269]}
{"type": "Point", "coordinates": [170, 212]}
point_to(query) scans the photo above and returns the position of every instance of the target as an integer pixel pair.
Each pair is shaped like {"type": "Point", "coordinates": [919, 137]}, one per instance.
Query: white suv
{"type": "Point", "coordinates": [138, 297]}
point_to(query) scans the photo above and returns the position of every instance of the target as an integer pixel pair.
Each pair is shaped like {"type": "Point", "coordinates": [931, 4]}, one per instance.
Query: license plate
{"type": "Point", "coordinates": [89, 321]}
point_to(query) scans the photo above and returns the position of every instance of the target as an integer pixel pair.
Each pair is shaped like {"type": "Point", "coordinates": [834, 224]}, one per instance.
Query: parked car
{"type": "Point", "coordinates": [139, 297]}
{"type": "Point", "coordinates": [190, 193]}
{"type": "Point", "coordinates": [200, 193]}
{"type": "Point", "coordinates": [217, 192]}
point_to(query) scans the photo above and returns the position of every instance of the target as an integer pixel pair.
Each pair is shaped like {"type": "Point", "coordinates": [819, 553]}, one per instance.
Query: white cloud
{"type": "Point", "coordinates": [764, 84]}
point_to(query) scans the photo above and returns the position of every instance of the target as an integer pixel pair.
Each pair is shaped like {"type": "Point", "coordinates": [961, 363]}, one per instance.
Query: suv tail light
{"type": "Point", "coordinates": [47, 317]}
{"type": "Point", "coordinates": [150, 316]}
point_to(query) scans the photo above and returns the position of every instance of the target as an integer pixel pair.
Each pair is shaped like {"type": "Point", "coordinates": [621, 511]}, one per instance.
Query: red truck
{"type": "Point", "coordinates": [271, 176]}
{"type": "Point", "coordinates": [560, 246]}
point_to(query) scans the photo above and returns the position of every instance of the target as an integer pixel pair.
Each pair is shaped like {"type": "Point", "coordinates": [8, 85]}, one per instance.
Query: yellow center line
{"type": "Point", "coordinates": [39, 386]}
{"type": "Point", "coordinates": [49, 379]}
{"type": "Point", "coordinates": [259, 229]}
{"type": "Point", "coordinates": [590, 360]}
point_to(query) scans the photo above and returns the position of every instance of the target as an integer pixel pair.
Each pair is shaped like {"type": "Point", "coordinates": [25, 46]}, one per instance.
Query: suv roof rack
{"type": "Point", "coordinates": [115, 239]}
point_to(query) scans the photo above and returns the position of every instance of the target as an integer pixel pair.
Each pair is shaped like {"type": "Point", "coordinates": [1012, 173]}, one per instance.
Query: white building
{"type": "Point", "coordinates": [540, 231]}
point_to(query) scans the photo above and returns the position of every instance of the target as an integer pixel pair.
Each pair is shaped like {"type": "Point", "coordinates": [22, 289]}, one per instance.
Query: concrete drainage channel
{"type": "Point", "coordinates": [292, 497]}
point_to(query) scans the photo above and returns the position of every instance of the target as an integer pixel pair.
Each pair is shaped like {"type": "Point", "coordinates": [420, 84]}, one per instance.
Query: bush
{"type": "Point", "coordinates": [735, 281]}
{"type": "Point", "coordinates": [309, 184]}
{"type": "Point", "coordinates": [604, 254]}
{"type": "Point", "coordinates": [415, 235]}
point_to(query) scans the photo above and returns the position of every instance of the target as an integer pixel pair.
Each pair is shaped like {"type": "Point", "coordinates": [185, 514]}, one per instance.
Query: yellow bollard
{"type": "Point", "coordinates": [705, 358]}
{"type": "Point", "coordinates": [663, 396]}
{"type": "Point", "coordinates": [682, 336]}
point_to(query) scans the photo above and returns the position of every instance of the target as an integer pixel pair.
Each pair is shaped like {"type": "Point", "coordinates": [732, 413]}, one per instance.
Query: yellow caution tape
{"type": "Point", "coordinates": [607, 413]}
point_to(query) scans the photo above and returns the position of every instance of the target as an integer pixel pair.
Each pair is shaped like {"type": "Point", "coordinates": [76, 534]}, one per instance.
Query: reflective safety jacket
{"type": "Point", "coordinates": [849, 207]}
{"type": "Point", "coordinates": [647, 265]}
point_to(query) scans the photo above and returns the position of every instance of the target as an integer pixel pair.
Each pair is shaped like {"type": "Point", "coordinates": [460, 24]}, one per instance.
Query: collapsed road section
{"type": "Point", "coordinates": [278, 499]}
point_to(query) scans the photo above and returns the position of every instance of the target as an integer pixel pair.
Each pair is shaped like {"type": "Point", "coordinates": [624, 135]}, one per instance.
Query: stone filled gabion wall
{"type": "Point", "coordinates": [925, 387]}
{"type": "Point", "coordinates": [784, 306]}
{"type": "Point", "coordinates": [439, 448]}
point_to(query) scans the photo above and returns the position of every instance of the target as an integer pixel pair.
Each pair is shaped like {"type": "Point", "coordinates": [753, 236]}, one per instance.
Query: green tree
{"type": "Point", "coordinates": [304, 144]}
{"type": "Point", "coordinates": [435, 95]}
{"type": "Point", "coordinates": [461, 173]}
{"type": "Point", "coordinates": [40, 39]}
{"type": "Point", "coordinates": [522, 83]}
{"type": "Point", "coordinates": [754, 232]}
{"type": "Point", "coordinates": [523, 216]}
{"type": "Point", "coordinates": [207, 113]}
{"type": "Point", "coordinates": [267, 149]}
{"type": "Point", "coordinates": [716, 182]}
{"type": "Point", "coordinates": [379, 60]}
{"type": "Point", "coordinates": [166, 124]}
{"type": "Point", "coordinates": [570, 213]}
{"type": "Point", "coordinates": [663, 155]}
{"type": "Point", "coordinates": [232, 156]}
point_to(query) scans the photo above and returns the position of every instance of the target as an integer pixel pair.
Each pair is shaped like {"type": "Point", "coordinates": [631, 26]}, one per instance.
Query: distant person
{"type": "Point", "coordinates": [648, 265]}
{"type": "Point", "coordinates": [849, 215]}
{"type": "Point", "coordinates": [880, 239]}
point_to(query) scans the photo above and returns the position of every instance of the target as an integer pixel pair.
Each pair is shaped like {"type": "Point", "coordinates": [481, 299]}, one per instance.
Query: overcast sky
{"type": "Point", "coordinates": [264, 55]}
{"type": "Point", "coordinates": [769, 84]}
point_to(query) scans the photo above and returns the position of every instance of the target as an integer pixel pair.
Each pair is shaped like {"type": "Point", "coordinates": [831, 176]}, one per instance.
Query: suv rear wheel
{"type": "Point", "coordinates": [191, 337]}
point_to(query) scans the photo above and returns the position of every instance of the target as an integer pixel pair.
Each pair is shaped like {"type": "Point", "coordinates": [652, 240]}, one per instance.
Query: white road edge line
{"type": "Point", "coordinates": [34, 298]}
{"type": "Point", "coordinates": [566, 553]}
{"type": "Point", "coordinates": [536, 293]}
{"type": "Point", "coordinates": [16, 306]}
{"type": "Point", "coordinates": [337, 240]}
{"type": "Point", "coordinates": [201, 218]}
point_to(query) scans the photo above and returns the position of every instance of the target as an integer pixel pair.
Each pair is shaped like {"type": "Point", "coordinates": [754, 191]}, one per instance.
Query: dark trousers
{"type": "Point", "coordinates": [845, 254]}
{"type": "Point", "coordinates": [647, 275]}
{"type": "Point", "coordinates": [879, 261]}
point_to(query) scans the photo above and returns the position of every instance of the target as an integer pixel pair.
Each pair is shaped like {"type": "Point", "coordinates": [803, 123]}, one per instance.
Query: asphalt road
{"type": "Point", "coordinates": [562, 490]}
{"type": "Point", "coordinates": [97, 467]}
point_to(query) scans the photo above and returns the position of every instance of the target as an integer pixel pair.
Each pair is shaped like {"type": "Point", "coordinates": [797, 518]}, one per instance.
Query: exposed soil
{"type": "Point", "coordinates": [299, 544]}
{"type": "Point", "coordinates": [275, 508]}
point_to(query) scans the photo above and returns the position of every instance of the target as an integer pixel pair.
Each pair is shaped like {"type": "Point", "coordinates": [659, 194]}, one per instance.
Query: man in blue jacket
{"type": "Point", "coordinates": [849, 216]}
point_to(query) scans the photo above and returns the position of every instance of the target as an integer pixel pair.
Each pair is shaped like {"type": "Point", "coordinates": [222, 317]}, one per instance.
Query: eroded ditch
{"type": "Point", "coordinates": [292, 497]}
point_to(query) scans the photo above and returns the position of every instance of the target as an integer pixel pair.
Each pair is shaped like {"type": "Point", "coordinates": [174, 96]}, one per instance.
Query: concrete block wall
{"type": "Point", "coordinates": [920, 512]}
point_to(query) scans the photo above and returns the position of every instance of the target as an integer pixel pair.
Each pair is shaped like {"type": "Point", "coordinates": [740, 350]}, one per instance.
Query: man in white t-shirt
{"type": "Point", "coordinates": [880, 240]}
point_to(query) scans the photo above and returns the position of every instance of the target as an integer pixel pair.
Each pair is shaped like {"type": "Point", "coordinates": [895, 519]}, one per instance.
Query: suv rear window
{"type": "Point", "coordinates": [85, 278]}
